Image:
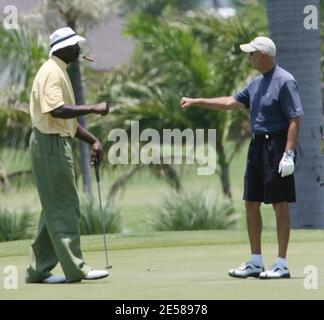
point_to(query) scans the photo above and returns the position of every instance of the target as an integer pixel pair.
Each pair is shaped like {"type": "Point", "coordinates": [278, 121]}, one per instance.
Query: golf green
{"type": "Point", "coordinates": [175, 265]}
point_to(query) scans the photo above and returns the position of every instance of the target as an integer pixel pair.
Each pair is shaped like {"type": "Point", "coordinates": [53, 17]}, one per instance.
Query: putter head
{"type": "Point", "coordinates": [108, 267]}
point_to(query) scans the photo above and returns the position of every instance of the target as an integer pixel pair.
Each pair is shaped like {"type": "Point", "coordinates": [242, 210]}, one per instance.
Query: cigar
{"type": "Point", "coordinates": [88, 59]}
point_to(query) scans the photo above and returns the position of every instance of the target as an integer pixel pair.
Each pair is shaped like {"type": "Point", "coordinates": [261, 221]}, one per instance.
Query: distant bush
{"type": "Point", "coordinates": [91, 221]}
{"type": "Point", "coordinates": [15, 226]}
{"type": "Point", "coordinates": [196, 211]}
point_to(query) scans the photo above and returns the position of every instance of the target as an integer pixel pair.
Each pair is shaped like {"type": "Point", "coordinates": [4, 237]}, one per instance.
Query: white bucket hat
{"type": "Point", "coordinates": [62, 38]}
{"type": "Point", "coordinates": [262, 44]}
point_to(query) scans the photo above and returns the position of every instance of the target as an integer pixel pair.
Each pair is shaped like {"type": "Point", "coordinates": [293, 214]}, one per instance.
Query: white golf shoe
{"type": "Point", "coordinates": [96, 274]}
{"type": "Point", "coordinates": [246, 270]}
{"type": "Point", "coordinates": [275, 272]}
{"type": "Point", "coordinates": [54, 279]}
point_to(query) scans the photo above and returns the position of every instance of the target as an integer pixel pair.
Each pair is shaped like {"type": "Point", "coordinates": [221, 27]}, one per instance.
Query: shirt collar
{"type": "Point", "coordinates": [268, 73]}
{"type": "Point", "coordinates": [59, 62]}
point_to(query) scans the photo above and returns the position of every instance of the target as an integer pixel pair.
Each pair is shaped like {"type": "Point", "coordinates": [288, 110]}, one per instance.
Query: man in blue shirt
{"type": "Point", "coordinates": [275, 109]}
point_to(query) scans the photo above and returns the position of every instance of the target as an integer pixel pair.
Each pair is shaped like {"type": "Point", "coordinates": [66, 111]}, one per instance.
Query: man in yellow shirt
{"type": "Point", "coordinates": [53, 114]}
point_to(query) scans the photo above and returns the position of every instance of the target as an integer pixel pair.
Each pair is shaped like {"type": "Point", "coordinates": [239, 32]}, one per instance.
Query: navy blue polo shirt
{"type": "Point", "coordinates": [272, 99]}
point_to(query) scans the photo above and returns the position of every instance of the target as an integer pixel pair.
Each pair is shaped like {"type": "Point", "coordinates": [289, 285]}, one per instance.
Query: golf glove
{"type": "Point", "coordinates": [286, 165]}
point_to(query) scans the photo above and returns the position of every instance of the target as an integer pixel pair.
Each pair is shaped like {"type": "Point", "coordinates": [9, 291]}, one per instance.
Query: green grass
{"type": "Point", "coordinates": [167, 239]}
{"type": "Point", "coordinates": [144, 191]}
{"type": "Point", "coordinates": [15, 160]}
{"type": "Point", "coordinates": [185, 265]}
{"type": "Point", "coordinates": [175, 265]}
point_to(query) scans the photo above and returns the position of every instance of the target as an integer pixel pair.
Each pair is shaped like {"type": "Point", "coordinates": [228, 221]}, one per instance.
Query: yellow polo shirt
{"type": "Point", "coordinates": [51, 89]}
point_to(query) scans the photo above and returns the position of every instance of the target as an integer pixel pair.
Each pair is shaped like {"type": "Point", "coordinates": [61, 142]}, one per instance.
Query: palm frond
{"type": "Point", "coordinates": [156, 7]}
{"type": "Point", "coordinates": [21, 53]}
{"type": "Point", "coordinates": [14, 226]}
{"type": "Point", "coordinates": [14, 126]}
{"type": "Point", "coordinates": [196, 55]}
{"type": "Point", "coordinates": [91, 219]}
{"type": "Point", "coordinates": [195, 211]}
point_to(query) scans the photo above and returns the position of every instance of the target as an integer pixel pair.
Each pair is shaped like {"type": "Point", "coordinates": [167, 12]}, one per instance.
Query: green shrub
{"type": "Point", "coordinates": [15, 226]}
{"type": "Point", "coordinates": [196, 211]}
{"type": "Point", "coordinates": [91, 221]}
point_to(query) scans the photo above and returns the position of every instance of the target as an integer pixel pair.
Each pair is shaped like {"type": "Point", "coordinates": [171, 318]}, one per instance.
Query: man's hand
{"type": "Point", "coordinates": [101, 108]}
{"type": "Point", "coordinates": [286, 165]}
{"type": "Point", "coordinates": [96, 151]}
{"type": "Point", "coordinates": [186, 102]}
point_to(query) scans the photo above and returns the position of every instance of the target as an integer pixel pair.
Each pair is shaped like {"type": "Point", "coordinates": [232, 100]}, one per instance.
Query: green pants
{"type": "Point", "coordinates": [58, 236]}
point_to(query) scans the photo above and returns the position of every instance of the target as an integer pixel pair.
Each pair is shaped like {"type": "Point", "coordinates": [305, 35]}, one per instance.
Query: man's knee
{"type": "Point", "coordinates": [281, 206]}
{"type": "Point", "coordinates": [252, 206]}
{"type": "Point", "coordinates": [282, 210]}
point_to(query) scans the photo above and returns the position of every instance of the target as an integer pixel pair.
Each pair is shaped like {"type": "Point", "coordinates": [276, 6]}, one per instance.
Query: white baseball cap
{"type": "Point", "coordinates": [262, 44]}
{"type": "Point", "coordinates": [62, 38]}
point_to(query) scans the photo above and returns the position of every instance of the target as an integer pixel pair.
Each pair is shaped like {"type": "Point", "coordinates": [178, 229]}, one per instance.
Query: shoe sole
{"type": "Point", "coordinates": [251, 275]}
{"type": "Point", "coordinates": [102, 277]}
{"type": "Point", "coordinates": [285, 276]}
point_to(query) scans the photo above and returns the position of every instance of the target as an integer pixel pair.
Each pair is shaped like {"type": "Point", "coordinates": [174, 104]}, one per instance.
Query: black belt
{"type": "Point", "coordinates": [266, 136]}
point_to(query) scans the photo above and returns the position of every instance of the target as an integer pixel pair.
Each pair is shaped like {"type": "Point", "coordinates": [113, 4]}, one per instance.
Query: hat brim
{"type": "Point", "coordinates": [247, 48]}
{"type": "Point", "coordinates": [69, 42]}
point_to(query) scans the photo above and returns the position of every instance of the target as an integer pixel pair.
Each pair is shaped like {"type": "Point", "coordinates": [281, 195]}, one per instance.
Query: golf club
{"type": "Point", "coordinates": [96, 165]}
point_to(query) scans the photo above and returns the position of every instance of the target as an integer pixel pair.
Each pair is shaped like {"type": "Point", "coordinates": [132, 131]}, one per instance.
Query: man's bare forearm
{"type": "Point", "coordinates": [293, 131]}
{"type": "Point", "coordinates": [220, 103]}
{"type": "Point", "coordinates": [69, 112]}
{"type": "Point", "coordinates": [85, 135]}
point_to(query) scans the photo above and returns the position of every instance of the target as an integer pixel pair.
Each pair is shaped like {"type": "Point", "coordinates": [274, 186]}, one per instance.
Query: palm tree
{"type": "Point", "coordinates": [21, 54]}
{"type": "Point", "coordinates": [322, 38]}
{"type": "Point", "coordinates": [197, 55]}
{"type": "Point", "coordinates": [22, 51]}
{"type": "Point", "coordinates": [299, 52]}
{"type": "Point", "coordinates": [217, 4]}
{"type": "Point", "coordinates": [156, 7]}
{"type": "Point", "coordinates": [14, 133]}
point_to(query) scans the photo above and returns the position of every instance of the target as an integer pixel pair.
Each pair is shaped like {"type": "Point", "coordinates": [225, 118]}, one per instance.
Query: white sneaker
{"type": "Point", "coordinates": [54, 279]}
{"type": "Point", "coordinates": [247, 269]}
{"type": "Point", "coordinates": [276, 272]}
{"type": "Point", "coordinates": [96, 274]}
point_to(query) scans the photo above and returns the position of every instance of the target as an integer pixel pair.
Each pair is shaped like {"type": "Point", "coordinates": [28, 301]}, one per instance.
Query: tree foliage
{"type": "Point", "coordinates": [197, 55]}
{"type": "Point", "coordinates": [196, 211]}
{"type": "Point", "coordinates": [156, 7]}
{"type": "Point", "coordinates": [22, 51]}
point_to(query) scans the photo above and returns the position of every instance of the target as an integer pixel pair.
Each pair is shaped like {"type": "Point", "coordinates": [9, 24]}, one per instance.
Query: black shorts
{"type": "Point", "coordinates": [262, 182]}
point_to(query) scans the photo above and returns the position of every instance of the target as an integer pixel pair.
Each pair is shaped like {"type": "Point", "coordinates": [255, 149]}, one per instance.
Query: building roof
{"type": "Point", "coordinates": [106, 43]}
